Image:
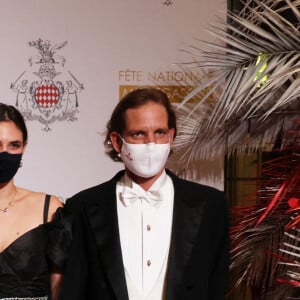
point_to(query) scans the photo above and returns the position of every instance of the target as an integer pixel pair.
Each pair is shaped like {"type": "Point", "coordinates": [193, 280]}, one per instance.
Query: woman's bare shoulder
{"type": "Point", "coordinates": [37, 199]}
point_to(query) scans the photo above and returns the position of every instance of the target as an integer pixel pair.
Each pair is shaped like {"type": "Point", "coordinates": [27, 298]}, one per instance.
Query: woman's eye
{"type": "Point", "coordinates": [15, 145]}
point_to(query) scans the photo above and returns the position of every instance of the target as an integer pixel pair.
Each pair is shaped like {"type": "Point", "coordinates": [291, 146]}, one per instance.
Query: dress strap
{"type": "Point", "coordinates": [46, 208]}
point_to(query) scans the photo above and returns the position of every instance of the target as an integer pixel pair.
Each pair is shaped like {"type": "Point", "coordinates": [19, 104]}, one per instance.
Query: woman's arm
{"type": "Point", "coordinates": [55, 284]}
{"type": "Point", "coordinates": [55, 275]}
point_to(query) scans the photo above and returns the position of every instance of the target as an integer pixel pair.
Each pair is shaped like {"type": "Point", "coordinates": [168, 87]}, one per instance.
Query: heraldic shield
{"type": "Point", "coordinates": [46, 96]}
{"type": "Point", "coordinates": [47, 93]}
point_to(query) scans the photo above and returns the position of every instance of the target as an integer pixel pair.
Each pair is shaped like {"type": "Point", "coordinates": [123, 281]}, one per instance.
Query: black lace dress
{"type": "Point", "coordinates": [25, 264]}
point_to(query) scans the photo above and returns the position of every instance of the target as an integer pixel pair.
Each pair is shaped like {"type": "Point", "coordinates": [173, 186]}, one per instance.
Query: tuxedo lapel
{"type": "Point", "coordinates": [104, 223]}
{"type": "Point", "coordinates": [186, 223]}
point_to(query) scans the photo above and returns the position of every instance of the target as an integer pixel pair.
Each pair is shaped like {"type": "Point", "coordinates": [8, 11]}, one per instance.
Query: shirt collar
{"type": "Point", "coordinates": [156, 186]}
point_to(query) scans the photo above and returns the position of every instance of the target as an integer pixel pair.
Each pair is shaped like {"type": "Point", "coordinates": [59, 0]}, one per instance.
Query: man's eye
{"type": "Point", "coordinates": [137, 134]}
{"type": "Point", "coordinates": [161, 132]}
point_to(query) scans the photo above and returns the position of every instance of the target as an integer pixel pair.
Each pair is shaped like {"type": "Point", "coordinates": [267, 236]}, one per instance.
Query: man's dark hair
{"type": "Point", "coordinates": [136, 99]}
{"type": "Point", "coordinates": [10, 113]}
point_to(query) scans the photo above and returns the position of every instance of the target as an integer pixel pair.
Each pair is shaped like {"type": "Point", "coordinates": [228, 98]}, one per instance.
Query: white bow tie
{"type": "Point", "coordinates": [129, 196]}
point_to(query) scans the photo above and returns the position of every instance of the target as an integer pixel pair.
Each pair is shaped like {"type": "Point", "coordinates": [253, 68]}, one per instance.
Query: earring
{"type": "Point", "coordinates": [119, 154]}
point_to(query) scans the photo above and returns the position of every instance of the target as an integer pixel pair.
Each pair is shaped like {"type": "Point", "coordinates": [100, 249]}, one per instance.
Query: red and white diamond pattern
{"type": "Point", "coordinates": [46, 95]}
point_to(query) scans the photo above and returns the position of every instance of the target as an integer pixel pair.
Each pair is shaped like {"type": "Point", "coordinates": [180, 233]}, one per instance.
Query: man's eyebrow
{"type": "Point", "coordinates": [136, 130]}
{"type": "Point", "coordinates": [162, 128]}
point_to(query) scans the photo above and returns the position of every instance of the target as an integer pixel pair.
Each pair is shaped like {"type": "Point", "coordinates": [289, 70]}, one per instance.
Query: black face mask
{"type": "Point", "coordinates": [9, 165]}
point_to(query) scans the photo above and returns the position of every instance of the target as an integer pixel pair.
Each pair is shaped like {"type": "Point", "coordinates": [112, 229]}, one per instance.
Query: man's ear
{"type": "Point", "coordinates": [171, 134]}
{"type": "Point", "coordinates": [116, 141]}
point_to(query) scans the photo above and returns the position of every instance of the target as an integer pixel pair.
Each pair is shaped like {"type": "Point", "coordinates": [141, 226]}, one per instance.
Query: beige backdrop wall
{"type": "Point", "coordinates": [109, 44]}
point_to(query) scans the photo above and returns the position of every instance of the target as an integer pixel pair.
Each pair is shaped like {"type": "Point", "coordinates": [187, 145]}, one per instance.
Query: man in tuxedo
{"type": "Point", "coordinates": [146, 234]}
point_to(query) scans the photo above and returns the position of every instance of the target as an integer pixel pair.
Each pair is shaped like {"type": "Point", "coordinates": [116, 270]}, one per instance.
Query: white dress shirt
{"type": "Point", "coordinates": [145, 234]}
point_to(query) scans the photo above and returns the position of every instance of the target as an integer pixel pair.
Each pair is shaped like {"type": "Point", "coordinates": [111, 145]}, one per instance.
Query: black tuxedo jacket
{"type": "Point", "coordinates": [198, 257]}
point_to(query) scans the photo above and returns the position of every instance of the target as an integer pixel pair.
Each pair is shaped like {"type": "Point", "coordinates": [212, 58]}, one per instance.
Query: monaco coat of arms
{"type": "Point", "coordinates": [47, 91]}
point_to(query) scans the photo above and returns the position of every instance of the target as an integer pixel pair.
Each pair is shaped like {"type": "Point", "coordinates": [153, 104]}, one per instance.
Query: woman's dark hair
{"type": "Point", "coordinates": [136, 99]}
{"type": "Point", "coordinates": [10, 113]}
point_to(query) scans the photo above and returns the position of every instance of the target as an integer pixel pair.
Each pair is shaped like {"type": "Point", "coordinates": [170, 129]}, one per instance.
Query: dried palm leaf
{"type": "Point", "coordinates": [250, 88]}
{"type": "Point", "coordinates": [248, 99]}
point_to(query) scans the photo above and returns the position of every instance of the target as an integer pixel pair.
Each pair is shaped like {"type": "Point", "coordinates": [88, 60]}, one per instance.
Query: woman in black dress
{"type": "Point", "coordinates": [31, 247]}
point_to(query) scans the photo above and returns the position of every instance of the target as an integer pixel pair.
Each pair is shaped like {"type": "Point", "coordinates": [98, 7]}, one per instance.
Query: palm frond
{"type": "Point", "coordinates": [248, 98]}
{"type": "Point", "coordinates": [250, 87]}
{"type": "Point", "coordinates": [266, 237]}
{"type": "Point", "coordinates": [289, 261]}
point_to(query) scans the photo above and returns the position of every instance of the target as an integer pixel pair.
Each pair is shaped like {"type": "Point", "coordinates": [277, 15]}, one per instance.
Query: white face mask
{"type": "Point", "coordinates": [145, 160]}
